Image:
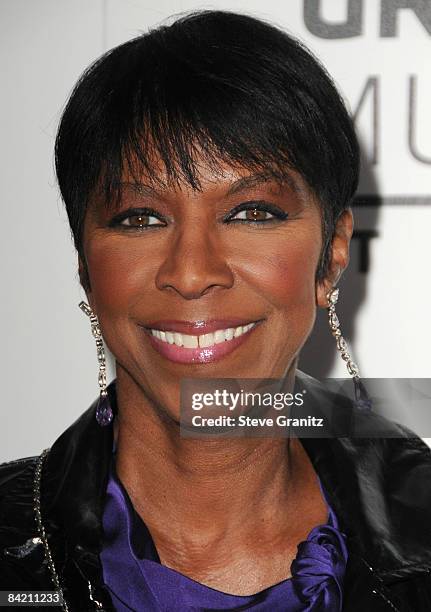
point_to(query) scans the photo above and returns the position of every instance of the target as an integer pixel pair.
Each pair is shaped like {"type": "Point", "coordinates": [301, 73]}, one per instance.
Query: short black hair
{"type": "Point", "coordinates": [227, 86]}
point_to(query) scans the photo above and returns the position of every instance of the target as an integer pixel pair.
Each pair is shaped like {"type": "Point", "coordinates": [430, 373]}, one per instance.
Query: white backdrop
{"type": "Point", "coordinates": [378, 52]}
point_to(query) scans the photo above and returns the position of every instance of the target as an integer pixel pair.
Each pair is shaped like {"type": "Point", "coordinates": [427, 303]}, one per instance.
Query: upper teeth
{"type": "Point", "coordinates": [220, 335]}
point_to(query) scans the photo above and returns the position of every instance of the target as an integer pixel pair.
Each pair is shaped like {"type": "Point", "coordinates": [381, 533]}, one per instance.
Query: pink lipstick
{"type": "Point", "coordinates": [198, 341]}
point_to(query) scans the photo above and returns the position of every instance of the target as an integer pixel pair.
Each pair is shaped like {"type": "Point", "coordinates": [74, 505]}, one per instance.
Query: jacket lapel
{"type": "Point", "coordinates": [378, 489]}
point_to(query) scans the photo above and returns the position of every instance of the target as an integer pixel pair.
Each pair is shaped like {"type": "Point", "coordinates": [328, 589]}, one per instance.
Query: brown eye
{"type": "Point", "coordinates": [253, 214]}
{"type": "Point", "coordinates": [141, 221]}
{"type": "Point", "coordinates": [256, 215]}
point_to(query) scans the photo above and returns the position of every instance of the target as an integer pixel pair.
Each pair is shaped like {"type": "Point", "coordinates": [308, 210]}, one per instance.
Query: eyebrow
{"type": "Point", "coordinates": [241, 184]}
{"type": "Point", "coordinates": [247, 182]}
{"type": "Point", "coordinates": [141, 188]}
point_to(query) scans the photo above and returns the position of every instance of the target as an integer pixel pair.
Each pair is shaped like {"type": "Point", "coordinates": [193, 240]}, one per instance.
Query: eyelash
{"type": "Point", "coordinates": [278, 215]}
{"type": "Point", "coordinates": [117, 221]}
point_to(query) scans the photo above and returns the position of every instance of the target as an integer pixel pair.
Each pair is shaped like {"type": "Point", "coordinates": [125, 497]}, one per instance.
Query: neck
{"type": "Point", "coordinates": [190, 491]}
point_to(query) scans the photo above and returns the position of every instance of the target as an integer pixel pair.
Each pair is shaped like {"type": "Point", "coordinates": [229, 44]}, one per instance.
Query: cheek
{"type": "Point", "coordinates": [283, 270]}
{"type": "Point", "coordinates": [119, 276]}
{"type": "Point", "coordinates": [281, 276]}
{"type": "Point", "coordinates": [121, 279]}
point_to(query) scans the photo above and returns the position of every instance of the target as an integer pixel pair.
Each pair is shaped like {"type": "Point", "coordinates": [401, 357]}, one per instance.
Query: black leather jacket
{"type": "Point", "coordinates": [380, 490]}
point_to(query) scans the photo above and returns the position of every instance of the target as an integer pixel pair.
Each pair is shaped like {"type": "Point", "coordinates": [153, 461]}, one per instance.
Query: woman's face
{"type": "Point", "coordinates": [243, 250]}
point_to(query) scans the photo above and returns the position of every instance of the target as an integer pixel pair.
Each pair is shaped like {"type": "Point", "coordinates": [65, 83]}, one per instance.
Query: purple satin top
{"type": "Point", "coordinates": [138, 581]}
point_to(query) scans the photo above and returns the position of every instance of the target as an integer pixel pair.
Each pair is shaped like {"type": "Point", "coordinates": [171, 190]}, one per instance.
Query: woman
{"type": "Point", "coordinates": [207, 169]}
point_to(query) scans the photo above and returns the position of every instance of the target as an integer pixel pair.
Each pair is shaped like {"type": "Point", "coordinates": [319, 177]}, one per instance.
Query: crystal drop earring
{"type": "Point", "coordinates": [104, 414]}
{"type": "Point", "coordinates": [362, 399]}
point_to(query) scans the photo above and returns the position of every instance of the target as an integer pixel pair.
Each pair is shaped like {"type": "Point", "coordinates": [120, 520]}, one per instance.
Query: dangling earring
{"type": "Point", "coordinates": [362, 399]}
{"type": "Point", "coordinates": [104, 414]}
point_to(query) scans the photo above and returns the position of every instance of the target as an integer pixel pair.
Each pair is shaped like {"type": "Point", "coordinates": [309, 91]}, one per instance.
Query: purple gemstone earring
{"type": "Point", "coordinates": [362, 399]}
{"type": "Point", "coordinates": [104, 414]}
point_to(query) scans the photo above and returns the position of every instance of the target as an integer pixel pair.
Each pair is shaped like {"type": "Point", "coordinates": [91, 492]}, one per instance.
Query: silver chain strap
{"type": "Point", "coordinates": [43, 537]}
{"type": "Point", "coordinates": [41, 529]}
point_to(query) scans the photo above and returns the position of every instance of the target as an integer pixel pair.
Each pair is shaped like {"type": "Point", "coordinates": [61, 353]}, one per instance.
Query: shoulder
{"type": "Point", "coordinates": [370, 444]}
{"type": "Point", "coordinates": [17, 522]}
{"type": "Point", "coordinates": [16, 494]}
{"type": "Point", "coordinates": [15, 474]}
{"type": "Point", "coordinates": [17, 518]}
{"type": "Point", "coordinates": [21, 551]}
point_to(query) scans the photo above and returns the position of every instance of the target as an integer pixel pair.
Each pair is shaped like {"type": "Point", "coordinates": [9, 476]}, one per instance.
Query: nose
{"type": "Point", "coordinates": [195, 263]}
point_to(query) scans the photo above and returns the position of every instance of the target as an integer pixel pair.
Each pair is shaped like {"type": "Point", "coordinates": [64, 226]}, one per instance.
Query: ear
{"type": "Point", "coordinates": [338, 258]}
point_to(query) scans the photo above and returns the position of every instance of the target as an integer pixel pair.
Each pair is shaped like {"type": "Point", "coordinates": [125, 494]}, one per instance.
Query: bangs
{"type": "Point", "coordinates": [170, 117]}
{"type": "Point", "coordinates": [179, 151]}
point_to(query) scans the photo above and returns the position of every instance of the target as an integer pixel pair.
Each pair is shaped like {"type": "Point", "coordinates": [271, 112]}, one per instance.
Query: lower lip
{"type": "Point", "coordinates": [179, 354]}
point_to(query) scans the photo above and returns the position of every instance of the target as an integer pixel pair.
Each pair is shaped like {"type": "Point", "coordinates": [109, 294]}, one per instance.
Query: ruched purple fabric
{"type": "Point", "coordinates": [138, 581]}
{"type": "Point", "coordinates": [319, 568]}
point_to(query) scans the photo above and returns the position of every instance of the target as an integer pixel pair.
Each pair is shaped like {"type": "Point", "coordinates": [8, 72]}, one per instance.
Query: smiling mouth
{"type": "Point", "coordinates": [204, 340]}
{"type": "Point", "coordinates": [181, 347]}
